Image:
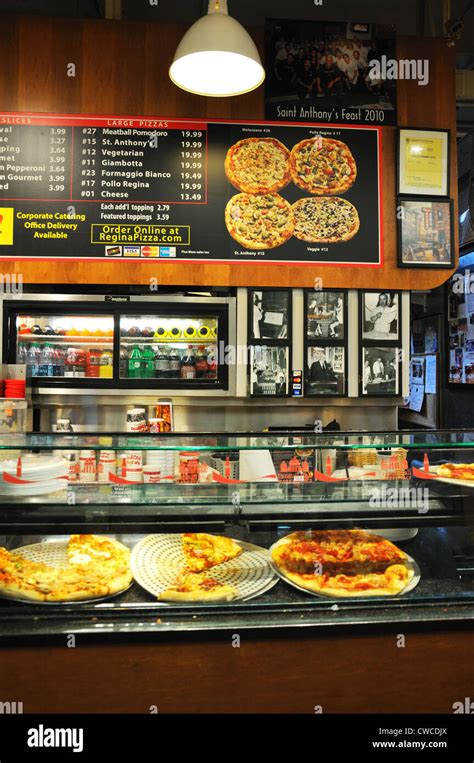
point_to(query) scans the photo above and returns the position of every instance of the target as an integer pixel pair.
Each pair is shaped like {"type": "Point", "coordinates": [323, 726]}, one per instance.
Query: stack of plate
{"type": "Point", "coordinates": [42, 474]}
{"type": "Point", "coordinates": [161, 461]}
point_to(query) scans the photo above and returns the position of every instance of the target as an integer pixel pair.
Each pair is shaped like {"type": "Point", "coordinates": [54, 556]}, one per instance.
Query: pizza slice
{"type": "Point", "coordinates": [198, 586]}
{"type": "Point", "coordinates": [202, 551]}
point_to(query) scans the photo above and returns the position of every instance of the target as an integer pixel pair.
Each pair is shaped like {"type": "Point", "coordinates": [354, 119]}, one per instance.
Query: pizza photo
{"type": "Point", "coordinates": [325, 219]}
{"type": "Point", "coordinates": [323, 166]}
{"type": "Point", "coordinates": [259, 221]}
{"type": "Point", "coordinates": [90, 567]}
{"type": "Point", "coordinates": [258, 165]}
{"type": "Point", "coordinates": [343, 563]}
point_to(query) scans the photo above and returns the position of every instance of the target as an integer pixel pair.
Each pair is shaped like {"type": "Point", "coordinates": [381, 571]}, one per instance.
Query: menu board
{"type": "Point", "coordinates": [123, 188]}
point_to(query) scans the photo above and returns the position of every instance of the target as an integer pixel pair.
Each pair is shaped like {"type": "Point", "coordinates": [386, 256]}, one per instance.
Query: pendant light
{"type": "Point", "coordinates": [217, 57]}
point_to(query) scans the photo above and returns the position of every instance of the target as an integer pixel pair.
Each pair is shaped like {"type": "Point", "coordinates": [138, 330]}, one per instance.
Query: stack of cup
{"type": "Point", "coordinates": [87, 466]}
{"type": "Point", "coordinates": [107, 465]}
{"type": "Point", "coordinates": [134, 466]}
{"type": "Point", "coordinates": [15, 388]}
{"type": "Point", "coordinates": [159, 465]}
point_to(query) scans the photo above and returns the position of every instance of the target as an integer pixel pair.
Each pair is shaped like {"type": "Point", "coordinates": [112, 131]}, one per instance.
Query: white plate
{"type": "Point", "coordinates": [158, 559]}
{"type": "Point", "coordinates": [33, 488]}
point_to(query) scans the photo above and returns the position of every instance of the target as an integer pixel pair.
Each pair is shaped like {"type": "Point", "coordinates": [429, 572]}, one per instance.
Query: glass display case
{"type": "Point", "coordinates": [146, 491]}
{"type": "Point", "coordinates": [164, 343]}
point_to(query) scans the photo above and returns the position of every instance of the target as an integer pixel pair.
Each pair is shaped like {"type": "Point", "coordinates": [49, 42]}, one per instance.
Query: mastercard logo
{"type": "Point", "coordinates": [150, 251]}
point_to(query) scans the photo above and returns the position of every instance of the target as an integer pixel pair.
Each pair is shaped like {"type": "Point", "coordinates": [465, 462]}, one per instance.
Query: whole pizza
{"type": "Point", "coordinates": [322, 166]}
{"type": "Point", "coordinates": [343, 563]}
{"type": "Point", "coordinates": [258, 165]}
{"type": "Point", "coordinates": [325, 219]}
{"type": "Point", "coordinates": [96, 567]}
{"type": "Point", "coordinates": [456, 471]}
{"type": "Point", "coordinates": [259, 221]}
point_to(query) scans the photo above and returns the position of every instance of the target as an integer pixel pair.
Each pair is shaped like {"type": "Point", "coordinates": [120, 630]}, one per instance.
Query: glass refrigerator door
{"type": "Point", "coordinates": [175, 348]}
{"type": "Point", "coordinates": [71, 346]}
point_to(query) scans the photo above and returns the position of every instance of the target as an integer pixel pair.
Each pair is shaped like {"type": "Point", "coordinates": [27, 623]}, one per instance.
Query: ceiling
{"type": "Point", "coordinates": [421, 17]}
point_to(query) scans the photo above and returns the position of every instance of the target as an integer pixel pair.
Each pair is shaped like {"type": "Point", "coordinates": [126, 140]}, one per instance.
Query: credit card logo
{"type": "Point", "coordinates": [167, 251]}
{"type": "Point", "coordinates": [150, 251]}
{"type": "Point", "coordinates": [113, 251]}
{"type": "Point", "coordinates": [131, 251]}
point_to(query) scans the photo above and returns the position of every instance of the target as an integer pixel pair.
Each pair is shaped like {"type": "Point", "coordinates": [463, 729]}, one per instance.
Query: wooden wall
{"type": "Point", "coordinates": [122, 68]}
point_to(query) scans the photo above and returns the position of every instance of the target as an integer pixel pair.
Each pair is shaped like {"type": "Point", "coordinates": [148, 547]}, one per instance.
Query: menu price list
{"type": "Point", "coordinates": [69, 163]}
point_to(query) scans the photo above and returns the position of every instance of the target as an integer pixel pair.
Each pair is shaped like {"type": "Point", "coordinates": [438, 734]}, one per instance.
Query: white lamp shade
{"type": "Point", "coordinates": [217, 57]}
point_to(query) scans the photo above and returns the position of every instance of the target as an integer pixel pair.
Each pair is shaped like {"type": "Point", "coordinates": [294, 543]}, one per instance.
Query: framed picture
{"type": "Point", "coordinates": [425, 233]}
{"type": "Point", "coordinates": [269, 314]}
{"type": "Point", "coordinates": [380, 371]}
{"type": "Point", "coordinates": [326, 370]}
{"type": "Point", "coordinates": [460, 329]}
{"type": "Point", "coordinates": [423, 162]}
{"type": "Point", "coordinates": [269, 371]}
{"type": "Point", "coordinates": [325, 312]}
{"type": "Point", "coordinates": [380, 316]}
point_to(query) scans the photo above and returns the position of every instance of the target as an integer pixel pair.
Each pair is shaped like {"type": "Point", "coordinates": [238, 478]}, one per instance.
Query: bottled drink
{"type": "Point", "coordinates": [58, 361]}
{"type": "Point", "coordinates": [32, 360]}
{"type": "Point", "coordinates": [106, 365]}
{"type": "Point", "coordinates": [148, 363]}
{"type": "Point", "coordinates": [123, 371]}
{"type": "Point", "coordinates": [80, 363]}
{"type": "Point", "coordinates": [201, 366]}
{"type": "Point", "coordinates": [211, 363]}
{"type": "Point", "coordinates": [135, 363]}
{"type": "Point", "coordinates": [162, 363]}
{"type": "Point", "coordinates": [188, 365]}
{"type": "Point", "coordinates": [46, 361]}
{"type": "Point", "coordinates": [93, 359]}
{"type": "Point", "coordinates": [21, 354]}
{"type": "Point", "coordinates": [174, 365]}
{"type": "Point", "coordinates": [69, 362]}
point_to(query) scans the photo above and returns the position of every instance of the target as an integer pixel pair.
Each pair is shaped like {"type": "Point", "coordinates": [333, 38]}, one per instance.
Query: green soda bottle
{"type": "Point", "coordinates": [135, 363]}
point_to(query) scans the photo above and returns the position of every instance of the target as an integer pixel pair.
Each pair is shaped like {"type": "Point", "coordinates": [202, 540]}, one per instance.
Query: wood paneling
{"type": "Point", "coordinates": [122, 68]}
{"type": "Point", "coordinates": [291, 674]}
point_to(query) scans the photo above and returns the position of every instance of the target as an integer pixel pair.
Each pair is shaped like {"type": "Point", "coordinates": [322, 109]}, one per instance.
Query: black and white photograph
{"type": "Point", "coordinates": [380, 316]}
{"type": "Point", "coordinates": [269, 314]}
{"type": "Point", "coordinates": [380, 373]}
{"type": "Point", "coordinates": [268, 370]}
{"type": "Point", "coordinates": [325, 372]}
{"type": "Point", "coordinates": [325, 314]}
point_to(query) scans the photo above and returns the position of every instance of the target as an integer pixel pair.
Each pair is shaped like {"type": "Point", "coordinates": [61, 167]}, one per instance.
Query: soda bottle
{"type": "Point", "coordinates": [60, 359]}
{"type": "Point", "coordinates": [123, 363]}
{"type": "Point", "coordinates": [174, 365]}
{"type": "Point", "coordinates": [135, 363]}
{"type": "Point", "coordinates": [45, 361]}
{"type": "Point", "coordinates": [93, 359]}
{"type": "Point", "coordinates": [106, 365]}
{"type": "Point", "coordinates": [162, 363]}
{"type": "Point", "coordinates": [69, 362]}
{"type": "Point", "coordinates": [211, 363]}
{"type": "Point", "coordinates": [148, 363]}
{"type": "Point", "coordinates": [202, 366]}
{"type": "Point", "coordinates": [80, 363]}
{"type": "Point", "coordinates": [21, 354]}
{"type": "Point", "coordinates": [188, 365]}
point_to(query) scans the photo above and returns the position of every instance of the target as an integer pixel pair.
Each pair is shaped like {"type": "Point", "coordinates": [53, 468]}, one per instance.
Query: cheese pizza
{"type": "Point", "coordinates": [258, 165]}
{"type": "Point", "coordinates": [97, 567]}
{"type": "Point", "coordinates": [198, 586]}
{"type": "Point", "coordinates": [323, 166]}
{"type": "Point", "coordinates": [325, 219]}
{"type": "Point", "coordinates": [259, 222]}
{"type": "Point", "coordinates": [343, 563]}
{"type": "Point", "coordinates": [202, 551]}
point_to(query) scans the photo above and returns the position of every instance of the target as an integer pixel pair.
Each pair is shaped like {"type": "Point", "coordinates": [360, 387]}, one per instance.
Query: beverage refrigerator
{"type": "Point", "coordinates": [169, 342]}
